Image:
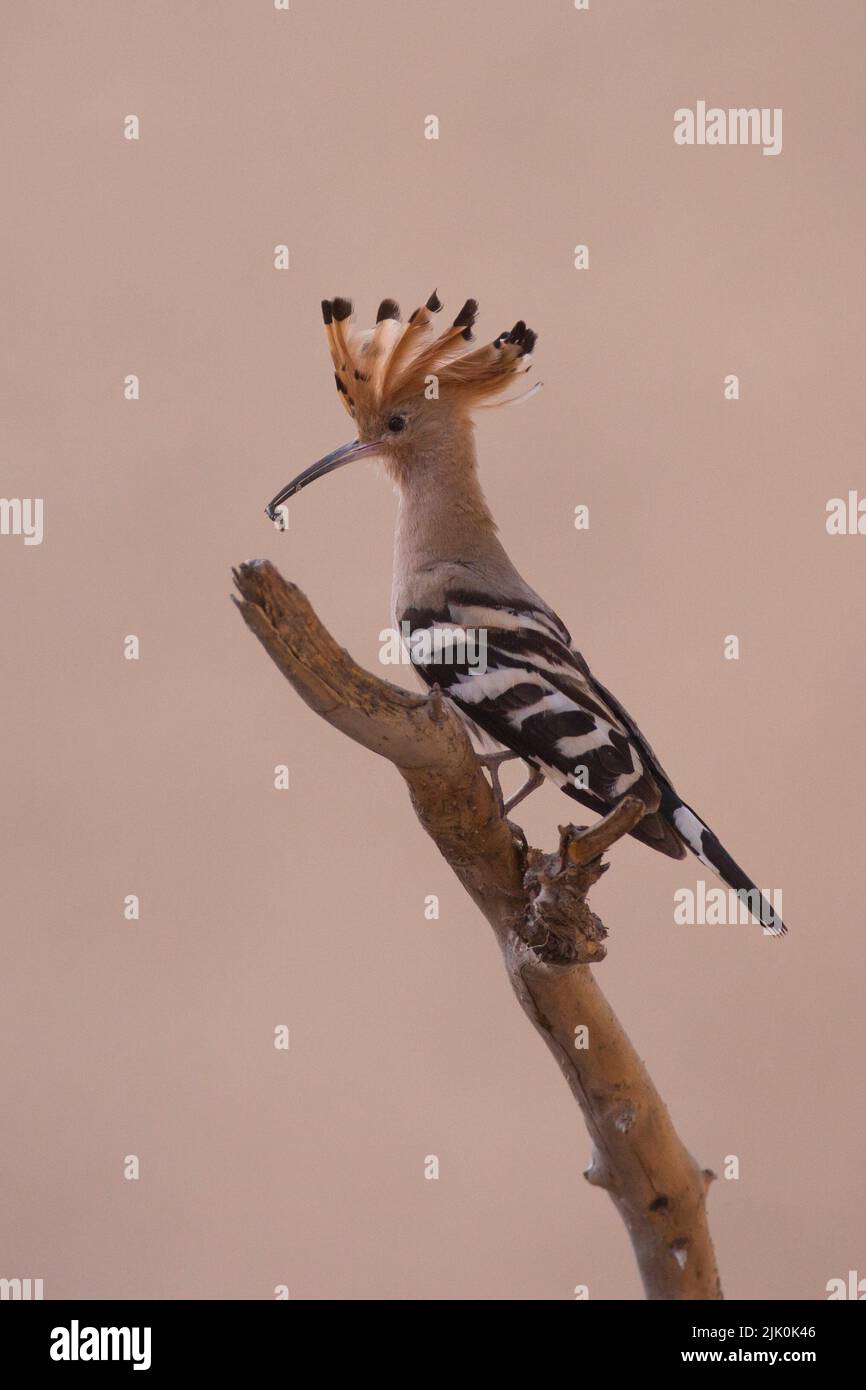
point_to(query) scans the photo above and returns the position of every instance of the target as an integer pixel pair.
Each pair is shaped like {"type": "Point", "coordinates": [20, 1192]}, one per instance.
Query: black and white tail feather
{"type": "Point", "coordinates": [535, 695]}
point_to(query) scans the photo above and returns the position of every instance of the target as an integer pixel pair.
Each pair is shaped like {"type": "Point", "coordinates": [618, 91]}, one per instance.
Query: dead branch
{"type": "Point", "coordinates": [536, 905]}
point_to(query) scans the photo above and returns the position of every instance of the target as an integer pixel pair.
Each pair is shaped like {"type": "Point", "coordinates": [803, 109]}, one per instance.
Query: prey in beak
{"type": "Point", "coordinates": [347, 453]}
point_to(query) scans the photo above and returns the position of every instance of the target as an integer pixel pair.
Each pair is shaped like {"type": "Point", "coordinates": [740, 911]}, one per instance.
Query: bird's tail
{"type": "Point", "coordinates": [709, 849]}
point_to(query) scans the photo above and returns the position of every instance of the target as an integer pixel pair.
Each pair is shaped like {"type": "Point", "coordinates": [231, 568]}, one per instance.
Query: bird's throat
{"type": "Point", "coordinates": [442, 514]}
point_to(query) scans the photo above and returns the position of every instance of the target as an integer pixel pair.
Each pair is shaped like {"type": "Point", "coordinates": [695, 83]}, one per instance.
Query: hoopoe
{"type": "Point", "coordinates": [411, 392]}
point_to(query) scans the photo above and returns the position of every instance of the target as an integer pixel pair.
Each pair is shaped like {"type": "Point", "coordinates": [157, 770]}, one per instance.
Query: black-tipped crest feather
{"type": "Point", "coordinates": [394, 361]}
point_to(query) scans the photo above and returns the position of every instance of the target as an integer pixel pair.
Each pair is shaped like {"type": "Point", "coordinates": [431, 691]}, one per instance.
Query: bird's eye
{"type": "Point", "coordinates": [397, 423]}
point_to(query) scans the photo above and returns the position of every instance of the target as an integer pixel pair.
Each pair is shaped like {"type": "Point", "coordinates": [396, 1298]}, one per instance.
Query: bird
{"type": "Point", "coordinates": [412, 389]}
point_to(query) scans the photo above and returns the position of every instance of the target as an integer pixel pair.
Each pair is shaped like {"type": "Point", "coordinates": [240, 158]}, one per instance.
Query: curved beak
{"type": "Point", "coordinates": [347, 453]}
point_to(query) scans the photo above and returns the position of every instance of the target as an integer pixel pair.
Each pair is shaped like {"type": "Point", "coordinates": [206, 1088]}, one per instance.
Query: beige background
{"type": "Point", "coordinates": [707, 518]}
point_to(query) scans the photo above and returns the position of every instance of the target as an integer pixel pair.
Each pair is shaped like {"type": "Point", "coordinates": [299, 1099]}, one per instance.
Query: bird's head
{"type": "Point", "coordinates": [407, 386]}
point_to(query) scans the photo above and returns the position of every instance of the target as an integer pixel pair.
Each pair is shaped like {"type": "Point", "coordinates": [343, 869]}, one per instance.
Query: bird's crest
{"type": "Point", "coordinates": [395, 360]}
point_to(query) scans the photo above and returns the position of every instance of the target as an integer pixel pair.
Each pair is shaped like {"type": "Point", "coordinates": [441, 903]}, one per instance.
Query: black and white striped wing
{"type": "Point", "coordinates": [530, 691]}
{"type": "Point", "coordinates": [514, 675]}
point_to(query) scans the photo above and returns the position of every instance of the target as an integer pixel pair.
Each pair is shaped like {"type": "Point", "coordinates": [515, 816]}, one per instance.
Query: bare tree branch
{"type": "Point", "coordinates": [536, 905]}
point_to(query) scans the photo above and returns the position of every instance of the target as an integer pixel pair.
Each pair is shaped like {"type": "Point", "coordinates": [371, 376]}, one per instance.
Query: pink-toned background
{"type": "Point", "coordinates": [261, 1167]}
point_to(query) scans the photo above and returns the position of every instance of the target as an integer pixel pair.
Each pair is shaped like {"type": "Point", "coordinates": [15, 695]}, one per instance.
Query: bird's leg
{"type": "Point", "coordinates": [492, 762]}
{"type": "Point", "coordinates": [534, 780]}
